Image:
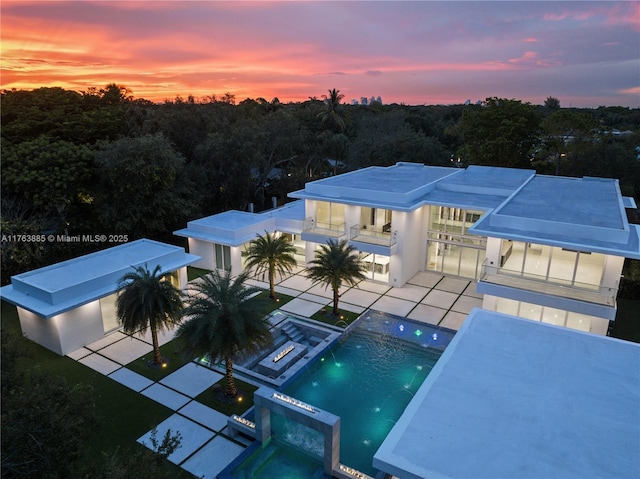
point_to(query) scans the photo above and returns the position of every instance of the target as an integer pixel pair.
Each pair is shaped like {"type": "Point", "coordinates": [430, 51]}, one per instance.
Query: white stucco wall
{"type": "Point", "coordinates": [204, 249]}
{"type": "Point", "coordinates": [65, 332]}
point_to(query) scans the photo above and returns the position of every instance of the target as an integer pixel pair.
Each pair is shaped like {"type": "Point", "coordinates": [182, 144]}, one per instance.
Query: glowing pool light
{"type": "Point", "coordinates": [418, 333]}
{"type": "Point", "coordinates": [283, 353]}
{"type": "Point", "coordinates": [401, 327]}
{"type": "Point", "coordinates": [434, 336]}
{"type": "Point", "coordinates": [244, 421]}
{"type": "Point", "coordinates": [293, 402]}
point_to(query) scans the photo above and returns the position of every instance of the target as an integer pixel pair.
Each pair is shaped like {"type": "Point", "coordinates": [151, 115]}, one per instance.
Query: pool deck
{"type": "Point", "coordinates": [206, 448]}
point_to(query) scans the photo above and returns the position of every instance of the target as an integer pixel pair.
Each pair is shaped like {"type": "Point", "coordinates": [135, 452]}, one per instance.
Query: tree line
{"type": "Point", "coordinates": [103, 162]}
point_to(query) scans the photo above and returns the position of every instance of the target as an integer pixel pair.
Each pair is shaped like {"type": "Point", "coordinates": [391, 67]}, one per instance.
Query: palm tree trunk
{"type": "Point", "coordinates": [272, 288]}
{"type": "Point", "coordinates": [230, 390]}
{"type": "Point", "coordinates": [157, 358]}
{"type": "Point", "coordinates": [335, 302]}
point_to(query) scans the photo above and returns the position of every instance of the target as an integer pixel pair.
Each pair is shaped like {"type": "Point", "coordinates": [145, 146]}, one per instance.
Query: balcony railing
{"type": "Point", "coordinates": [589, 292]}
{"type": "Point", "coordinates": [373, 236]}
{"type": "Point", "coordinates": [335, 230]}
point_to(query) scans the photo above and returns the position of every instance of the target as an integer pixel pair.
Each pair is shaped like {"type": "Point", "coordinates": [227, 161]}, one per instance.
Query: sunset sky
{"type": "Point", "coordinates": [586, 54]}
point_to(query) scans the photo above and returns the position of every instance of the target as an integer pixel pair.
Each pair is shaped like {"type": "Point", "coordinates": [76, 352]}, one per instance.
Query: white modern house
{"type": "Point", "coordinates": [549, 249]}
{"type": "Point", "coordinates": [513, 398]}
{"type": "Point", "coordinates": [68, 305]}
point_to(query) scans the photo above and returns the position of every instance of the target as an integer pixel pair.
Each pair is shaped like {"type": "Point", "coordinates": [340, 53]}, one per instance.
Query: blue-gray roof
{"type": "Point", "coordinates": [512, 397]}
{"type": "Point", "coordinates": [63, 286]}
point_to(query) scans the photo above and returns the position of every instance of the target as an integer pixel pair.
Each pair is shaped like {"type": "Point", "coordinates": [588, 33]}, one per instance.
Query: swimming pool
{"type": "Point", "coordinates": [367, 378]}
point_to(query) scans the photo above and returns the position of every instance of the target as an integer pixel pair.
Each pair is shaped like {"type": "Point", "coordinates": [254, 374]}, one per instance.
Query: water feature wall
{"type": "Point", "coordinates": [268, 401]}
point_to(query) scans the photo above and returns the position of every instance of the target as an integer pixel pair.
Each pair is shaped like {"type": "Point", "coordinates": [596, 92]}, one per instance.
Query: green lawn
{"type": "Point", "coordinates": [124, 414]}
{"type": "Point", "coordinates": [237, 405]}
{"type": "Point", "coordinates": [344, 318]}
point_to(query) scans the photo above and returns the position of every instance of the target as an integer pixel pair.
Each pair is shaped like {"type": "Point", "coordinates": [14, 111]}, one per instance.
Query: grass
{"type": "Point", "coordinates": [343, 319]}
{"type": "Point", "coordinates": [169, 352]}
{"type": "Point", "coordinates": [125, 415]}
{"type": "Point", "coordinates": [193, 272]}
{"type": "Point", "coordinates": [214, 397]}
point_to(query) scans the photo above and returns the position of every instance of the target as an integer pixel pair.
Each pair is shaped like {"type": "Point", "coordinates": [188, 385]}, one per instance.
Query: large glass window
{"type": "Point", "coordinates": [375, 219]}
{"type": "Point", "coordinates": [223, 256]}
{"type": "Point", "coordinates": [535, 312]}
{"type": "Point", "coordinates": [299, 244]}
{"type": "Point", "coordinates": [451, 249]}
{"type": "Point", "coordinates": [329, 215]}
{"type": "Point", "coordinates": [553, 264]}
{"type": "Point", "coordinates": [377, 266]}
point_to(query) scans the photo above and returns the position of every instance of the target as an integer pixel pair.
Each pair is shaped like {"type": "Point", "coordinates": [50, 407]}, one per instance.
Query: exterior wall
{"type": "Point", "coordinates": [182, 275]}
{"type": "Point", "coordinates": [612, 271]}
{"type": "Point", "coordinates": [203, 249]}
{"type": "Point", "coordinates": [405, 264]}
{"type": "Point", "coordinates": [65, 332]}
{"type": "Point", "coordinates": [236, 259]}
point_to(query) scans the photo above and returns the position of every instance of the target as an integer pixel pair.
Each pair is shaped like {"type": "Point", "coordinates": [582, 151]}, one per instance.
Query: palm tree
{"type": "Point", "coordinates": [220, 322]}
{"type": "Point", "coordinates": [336, 263]}
{"type": "Point", "coordinates": [271, 254]}
{"type": "Point", "coordinates": [146, 300]}
{"type": "Point", "coordinates": [333, 109]}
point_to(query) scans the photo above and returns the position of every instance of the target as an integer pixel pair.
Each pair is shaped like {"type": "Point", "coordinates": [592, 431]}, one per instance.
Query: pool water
{"type": "Point", "coordinates": [272, 460]}
{"type": "Point", "coordinates": [367, 379]}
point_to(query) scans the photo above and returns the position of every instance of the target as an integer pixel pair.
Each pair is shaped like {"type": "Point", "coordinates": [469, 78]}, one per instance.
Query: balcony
{"type": "Point", "coordinates": [319, 232]}
{"type": "Point", "coordinates": [372, 240]}
{"type": "Point", "coordinates": [372, 236]}
{"type": "Point", "coordinates": [559, 293]}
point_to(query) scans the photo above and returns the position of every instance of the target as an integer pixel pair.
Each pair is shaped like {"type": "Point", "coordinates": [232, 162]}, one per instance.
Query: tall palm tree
{"type": "Point", "coordinates": [220, 322]}
{"type": "Point", "coordinates": [146, 300]}
{"type": "Point", "coordinates": [333, 109]}
{"type": "Point", "coordinates": [336, 263]}
{"type": "Point", "coordinates": [270, 254]}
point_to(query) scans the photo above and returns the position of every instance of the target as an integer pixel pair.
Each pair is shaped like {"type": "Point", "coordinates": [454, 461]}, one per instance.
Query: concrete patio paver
{"type": "Point", "coordinates": [440, 299]}
{"type": "Point", "coordinates": [471, 290]}
{"type": "Point", "coordinates": [302, 307]}
{"type": "Point", "coordinates": [79, 353]}
{"type": "Point", "coordinates": [297, 282]}
{"type": "Point", "coordinates": [204, 415]}
{"type": "Point", "coordinates": [453, 285]}
{"type": "Point", "coordinates": [465, 304]}
{"type": "Point", "coordinates": [191, 379]}
{"type": "Point", "coordinates": [163, 336]}
{"type": "Point", "coordinates": [453, 320]}
{"type": "Point", "coordinates": [100, 364]}
{"type": "Point", "coordinates": [106, 341]}
{"type": "Point", "coordinates": [288, 291]}
{"type": "Point", "coordinates": [315, 298]}
{"type": "Point", "coordinates": [132, 380]}
{"type": "Point", "coordinates": [209, 461]}
{"type": "Point", "coordinates": [410, 292]}
{"type": "Point", "coordinates": [193, 436]}
{"type": "Point", "coordinates": [427, 279]}
{"type": "Point", "coordinates": [427, 314]}
{"type": "Point", "coordinates": [359, 297]}
{"type": "Point", "coordinates": [165, 396]}
{"type": "Point", "coordinates": [399, 307]}
{"type": "Point", "coordinates": [372, 287]}
{"type": "Point", "coordinates": [126, 350]}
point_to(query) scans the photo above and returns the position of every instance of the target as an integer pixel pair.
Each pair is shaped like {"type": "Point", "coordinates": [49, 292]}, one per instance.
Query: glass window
{"type": "Point", "coordinates": [223, 256]}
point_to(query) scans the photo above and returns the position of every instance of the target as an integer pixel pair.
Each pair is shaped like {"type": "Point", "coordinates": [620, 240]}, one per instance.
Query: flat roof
{"type": "Point", "coordinates": [586, 214]}
{"type": "Point", "coordinates": [407, 186]}
{"type": "Point", "coordinates": [235, 228]}
{"type": "Point", "coordinates": [66, 285]}
{"type": "Point", "coordinates": [512, 397]}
